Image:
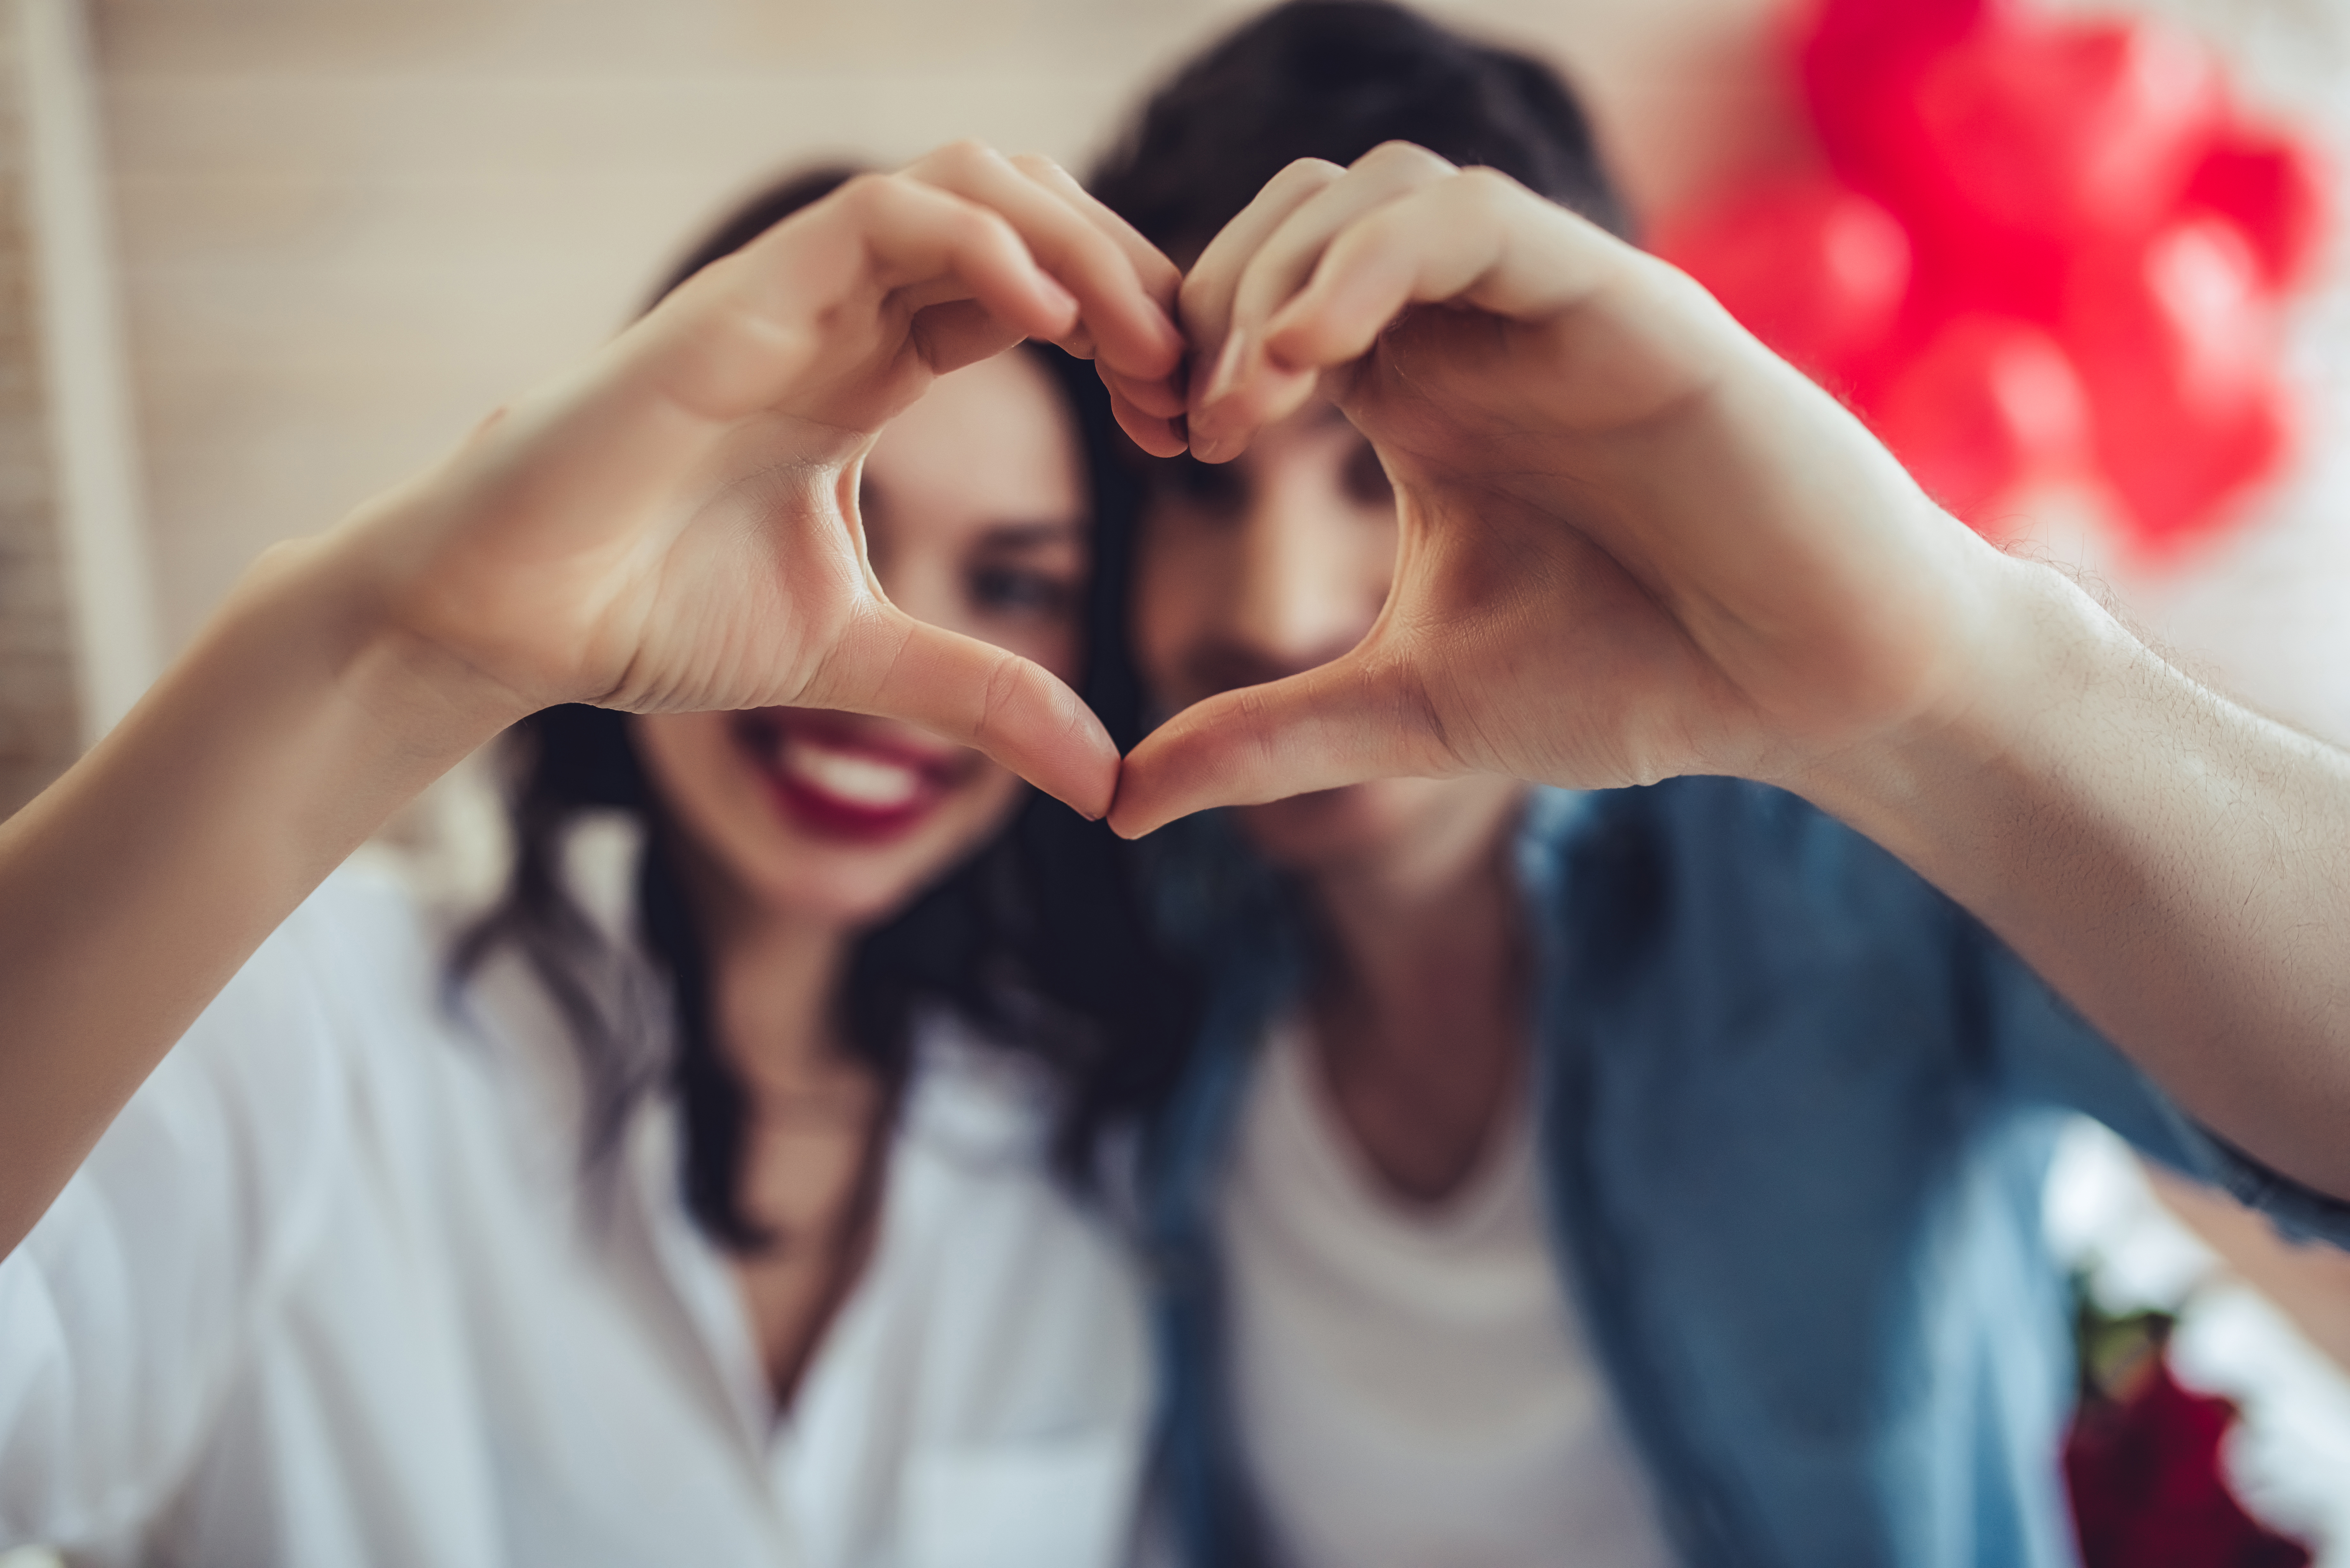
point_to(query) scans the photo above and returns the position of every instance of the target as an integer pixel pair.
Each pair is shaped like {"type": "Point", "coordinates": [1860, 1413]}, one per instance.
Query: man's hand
{"type": "Point", "coordinates": [1634, 544]}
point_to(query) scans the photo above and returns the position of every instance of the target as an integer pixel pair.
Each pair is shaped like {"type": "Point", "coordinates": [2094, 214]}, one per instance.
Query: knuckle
{"type": "Point", "coordinates": [1308, 173]}
{"type": "Point", "coordinates": [966, 153]}
{"type": "Point", "coordinates": [865, 195]}
{"type": "Point", "coordinates": [978, 229]}
{"type": "Point", "coordinates": [1407, 158]}
{"type": "Point", "coordinates": [1487, 189]}
{"type": "Point", "coordinates": [1000, 697]}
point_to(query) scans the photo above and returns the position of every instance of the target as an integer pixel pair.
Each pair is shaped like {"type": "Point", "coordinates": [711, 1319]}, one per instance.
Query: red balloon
{"type": "Point", "coordinates": [1992, 404]}
{"type": "Point", "coordinates": [2075, 131]}
{"type": "Point", "coordinates": [2273, 188]}
{"type": "Point", "coordinates": [2002, 145]}
{"type": "Point", "coordinates": [2183, 321]}
{"type": "Point", "coordinates": [2176, 340]}
{"type": "Point", "coordinates": [2096, 248]}
{"type": "Point", "coordinates": [1814, 270]}
{"type": "Point", "coordinates": [2178, 476]}
{"type": "Point", "coordinates": [1859, 59]}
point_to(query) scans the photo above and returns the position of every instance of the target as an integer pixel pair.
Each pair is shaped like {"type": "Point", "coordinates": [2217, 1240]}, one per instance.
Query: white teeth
{"type": "Point", "coordinates": [853, 777]}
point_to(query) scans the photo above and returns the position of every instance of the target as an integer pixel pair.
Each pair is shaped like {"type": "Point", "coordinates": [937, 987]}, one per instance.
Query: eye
{"type": "Point", "coordinates": [1002, 588]}
{"type": "Point", "coordinates": [1365, 482]}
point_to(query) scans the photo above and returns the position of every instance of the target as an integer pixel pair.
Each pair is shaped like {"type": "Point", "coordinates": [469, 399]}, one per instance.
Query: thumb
{"type": "Point", "coordinates": [971, 692]}
{"type": "Point", "coordinates": [1340, 723]}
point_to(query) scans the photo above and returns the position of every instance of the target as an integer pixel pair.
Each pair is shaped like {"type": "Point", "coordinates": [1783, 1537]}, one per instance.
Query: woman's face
{"type": "Point", "coordinates": [976, 519]}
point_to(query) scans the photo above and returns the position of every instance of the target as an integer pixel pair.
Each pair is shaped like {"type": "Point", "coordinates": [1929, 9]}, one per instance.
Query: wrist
{"type": "Point", "coordinates": [326, 605]}
{"type": "Point", "coordinates": [2033, 651]}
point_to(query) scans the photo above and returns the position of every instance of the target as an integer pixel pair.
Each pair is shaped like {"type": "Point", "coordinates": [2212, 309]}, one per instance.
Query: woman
{"type": "Point", "coordinates": [694, 1212]}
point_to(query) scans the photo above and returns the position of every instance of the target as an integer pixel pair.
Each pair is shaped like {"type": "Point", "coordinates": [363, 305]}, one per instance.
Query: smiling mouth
{"type": "Point", "coordinates": [832, 778]}
{"type": "Point", "coordinates": [848, 777]}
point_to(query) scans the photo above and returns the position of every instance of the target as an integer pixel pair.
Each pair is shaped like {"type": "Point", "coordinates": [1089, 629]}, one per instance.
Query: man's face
{"type": "Point", "coordinates": [1268, 565]}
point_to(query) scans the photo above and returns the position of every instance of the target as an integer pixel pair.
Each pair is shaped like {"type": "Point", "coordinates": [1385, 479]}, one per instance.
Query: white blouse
{"type": "Point", "coordinates": [330, 1291]}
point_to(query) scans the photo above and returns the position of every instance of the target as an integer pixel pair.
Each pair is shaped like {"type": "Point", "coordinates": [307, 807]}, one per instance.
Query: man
{"type": "Point", "coordinates": [1650, 1175]}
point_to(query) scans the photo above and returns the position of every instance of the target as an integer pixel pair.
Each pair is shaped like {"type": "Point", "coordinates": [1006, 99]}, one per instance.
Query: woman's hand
{"type": "Point", "coordinates": [1633, 542]}
{"type": "Point", "coordinates": [675, 528]}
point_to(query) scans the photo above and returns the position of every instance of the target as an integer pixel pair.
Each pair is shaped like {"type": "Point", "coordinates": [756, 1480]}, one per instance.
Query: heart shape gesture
{"type": "Point", "coordinates": [1633, 542]}
{"type": "Point", "coordinates": [674, 527]}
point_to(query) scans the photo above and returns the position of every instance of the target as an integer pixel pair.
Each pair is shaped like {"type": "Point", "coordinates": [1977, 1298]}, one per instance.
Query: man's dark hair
{"type": "Point", "coordinates": [1333, 78]}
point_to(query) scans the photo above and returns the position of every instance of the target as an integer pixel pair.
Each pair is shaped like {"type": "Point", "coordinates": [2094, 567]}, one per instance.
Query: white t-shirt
{"type": "Point", "coordinates": [328, 1293]}
{"type": "Point", "coordinates": [1411, 1386]}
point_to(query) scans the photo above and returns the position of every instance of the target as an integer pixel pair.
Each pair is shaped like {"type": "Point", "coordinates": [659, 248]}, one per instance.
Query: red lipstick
{"type": "Point", "coordinates": [841, 778]}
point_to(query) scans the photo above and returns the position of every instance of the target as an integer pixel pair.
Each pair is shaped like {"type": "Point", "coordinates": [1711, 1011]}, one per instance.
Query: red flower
{"type": "Point", "coordinates": [2142, 1463]}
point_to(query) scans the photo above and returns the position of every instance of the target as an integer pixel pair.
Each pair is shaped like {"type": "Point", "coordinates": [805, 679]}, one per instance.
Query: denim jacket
{"type": "Point", "coordinates": [1796, 1110]}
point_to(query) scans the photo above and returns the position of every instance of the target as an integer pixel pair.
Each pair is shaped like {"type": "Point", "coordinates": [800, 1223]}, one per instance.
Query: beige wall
{"type": "Point", "coordinates": [38, 721]}
{"type": "Point", "coordinates": [347, 227]}
{"type": "Point", "coordinates": [76, 622]}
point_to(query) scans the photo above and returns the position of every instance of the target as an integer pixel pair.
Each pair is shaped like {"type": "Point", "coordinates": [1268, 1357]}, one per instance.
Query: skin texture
{"type": "Point", "coordinates": [1632, 545]}
{"type": "Point", "coordinates": [974, 508]}
{"type": "Point", "coordinates": [670, 527]}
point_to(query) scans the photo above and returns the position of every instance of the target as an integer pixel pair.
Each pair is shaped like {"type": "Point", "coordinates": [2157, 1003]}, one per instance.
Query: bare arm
{"type": "Point", "coordinates": [670, 527]}
{"type": "Point", "coordinates": [132, 889]}
{"type": "Point", "coordinates": [2178, 866]}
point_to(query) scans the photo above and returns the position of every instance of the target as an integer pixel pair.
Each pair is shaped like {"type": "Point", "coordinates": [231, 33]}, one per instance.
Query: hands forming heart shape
{"type": "Point", "coordinates": [1633, 544]}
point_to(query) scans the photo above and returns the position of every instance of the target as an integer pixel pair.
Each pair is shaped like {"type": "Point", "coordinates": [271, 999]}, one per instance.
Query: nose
{"type": "Point", "coordinates": [1309, 578]}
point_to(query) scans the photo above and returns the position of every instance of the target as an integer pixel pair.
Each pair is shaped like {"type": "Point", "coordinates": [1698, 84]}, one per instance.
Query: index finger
{"type": "Point", "coordinates": [1130, 328]}
{"type": "Point", "coordinates": [1206, 306]}
{"type": "Point", "coordinates": [1161, 277]}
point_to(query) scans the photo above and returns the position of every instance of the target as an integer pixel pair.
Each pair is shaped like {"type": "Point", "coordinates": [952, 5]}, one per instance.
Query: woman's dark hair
{"type": "Point", "coordinates": [1035, 939]}
{"type": "Point", "coordinates": [1333, 78]}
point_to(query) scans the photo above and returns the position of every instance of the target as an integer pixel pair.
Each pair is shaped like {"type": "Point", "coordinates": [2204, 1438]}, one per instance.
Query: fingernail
{"type": "Point", "coordinates": [1227, 373]}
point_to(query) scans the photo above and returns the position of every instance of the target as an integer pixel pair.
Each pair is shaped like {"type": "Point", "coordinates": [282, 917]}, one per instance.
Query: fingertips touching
{"type": "Point", "coordinates": [1328, 727]}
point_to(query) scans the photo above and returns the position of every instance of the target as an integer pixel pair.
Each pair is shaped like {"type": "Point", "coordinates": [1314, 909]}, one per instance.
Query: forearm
{"type": "Point", "coordinates": [137, 884]}
{"type": "Point", "coordinates": [2177, 865]}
